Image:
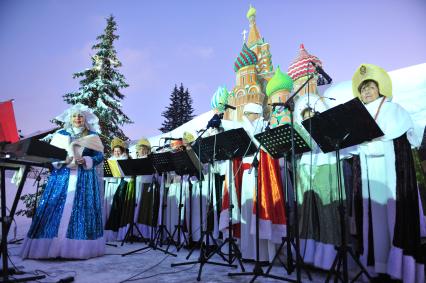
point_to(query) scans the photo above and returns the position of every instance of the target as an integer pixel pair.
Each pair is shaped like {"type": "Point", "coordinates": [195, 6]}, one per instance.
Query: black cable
{"type": "Point", "coordinates": [54, 275]}
{"type": "Point", "coordinates": [148, 269]}
{"type": "Point", "coordinates": [139, 253]}
{"type": "Point", "coordinates": [17, 270]}
{"type": "Point", "coordinates": [42, 272]}
{"type": "Point", "coordinates": [164, 273]}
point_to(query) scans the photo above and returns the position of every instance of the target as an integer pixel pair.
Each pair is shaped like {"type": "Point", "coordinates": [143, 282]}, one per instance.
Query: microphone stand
{"type": "Point", "coordinates": [257, 270]}
{"type": "Point", "coordinates": [205, 234]}
{"type": "Point", "coordinates": [234, 252]}
{"type": "Point", "coordinates": [289, 104]}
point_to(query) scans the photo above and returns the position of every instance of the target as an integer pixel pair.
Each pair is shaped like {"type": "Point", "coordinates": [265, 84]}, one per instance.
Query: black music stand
{"type": "Point", "coordinates": [185, 163]}
{"type": "Point", "coordinates": [278, 143]}
{"type": "Point", "coordinates": [205, 148]}
{"type": "Point", "coordinates": [265, 138]}
{"type": "Point", "coordinates": [289, 105]}
{"type": "Point", "coordinates": [340, 127]}
{"type": "Point", "coordinates": [107, 174]}
{"type": "Point", "coordinates": [135, 167]}
{"type": "Point", "coordinates": [162, 164]}
{"type": "Point", "coordinates": [230, 144]}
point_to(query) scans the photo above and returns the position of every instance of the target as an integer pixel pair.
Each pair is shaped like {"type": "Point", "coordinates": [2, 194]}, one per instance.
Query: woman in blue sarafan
{"type": "Point", "coordinates": [68, 220]}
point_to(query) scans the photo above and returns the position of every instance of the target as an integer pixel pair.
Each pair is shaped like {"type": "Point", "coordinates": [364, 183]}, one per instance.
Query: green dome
{"type": "Point", "coordinates": [251, 12]}
{"type": "Point", "coordinates": [279, 81]}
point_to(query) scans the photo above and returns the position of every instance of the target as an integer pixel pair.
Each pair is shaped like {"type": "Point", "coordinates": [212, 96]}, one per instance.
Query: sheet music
{"type": "Point", "coordinates": [115, 168]}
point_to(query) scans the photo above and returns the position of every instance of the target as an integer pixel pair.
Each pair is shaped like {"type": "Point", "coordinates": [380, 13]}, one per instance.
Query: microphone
{"type": "Point", "coordinates": [227, 106]}
{"type": "Point", "coordinates": [215, 121]}
{"type": "Point", "coordinates": [321, 72]}
{"type": "Point", "coordinates": [172, 139]}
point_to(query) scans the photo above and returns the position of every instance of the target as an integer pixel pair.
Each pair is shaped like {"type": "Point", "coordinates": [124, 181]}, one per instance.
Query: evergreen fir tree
{"type": "Point", "coordinates": [101, 84]}
{"type": "Point", "coordinates": [187, 110]}
{"type": "Point", "coordinates": [179, 110]}
{"type": "Point", "coordinates": [170, 114]}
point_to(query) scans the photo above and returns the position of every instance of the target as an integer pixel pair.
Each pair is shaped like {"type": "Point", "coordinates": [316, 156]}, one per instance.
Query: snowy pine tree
{"type": "Point", "coordinates": [170, 114]}
{"type": "Point", "coordinates": [187, 110]}
{"type": "Point", "coordinates": [100, 86]}
{"type": "Point", "coordinates": [179, 110]}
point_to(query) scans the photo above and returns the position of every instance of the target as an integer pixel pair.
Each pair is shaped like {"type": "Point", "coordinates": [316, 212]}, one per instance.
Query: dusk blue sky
{"type": "Point", "coordinates": [163, 43]}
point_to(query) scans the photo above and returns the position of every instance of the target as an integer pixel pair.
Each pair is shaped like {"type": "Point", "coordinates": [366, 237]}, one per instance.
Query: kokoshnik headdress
{"type": "Point", "coordinates": [90, 120]}
{"type": "Point", "coordinates": [375, 73]}
{"type": "Point", "coordinates": [118, 142]}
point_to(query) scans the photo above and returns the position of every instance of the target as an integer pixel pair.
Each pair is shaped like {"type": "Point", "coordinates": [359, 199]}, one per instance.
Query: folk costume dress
{"type": "Point", "coordinates": [272, 216]}
{"type": "Point", "coordinates": [209, 216]}
{"type": "Point", "coordinates": [272, 219]}
{"type": "Point", "coordinates": [220, 193]}
{"type": "Point", "coordinates": [147, 197]}
{"type": "Point", "coordinates": [390, 199]}
{"type": "Point", "coordinates": [319, 221]}
{"type": "Point", "coordinates": [148, 190]}
{"type": "Point", "coordinates": [112, 185]}
{"type": "Point", "coordinates": [128, 208]}
{"type": "Point", "coordinates": [68, 220]}
{"type": "Point", "coordinates": [174, 195]}
{"type": "Point", "coordinates": [122, 209]}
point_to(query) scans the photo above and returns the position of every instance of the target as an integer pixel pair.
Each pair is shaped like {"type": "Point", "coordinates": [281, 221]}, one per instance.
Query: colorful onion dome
{"type": "Point", "coordinates": [246, 58]}
{"type": "Point", "coordinates": [280, 81]}
{"type": "Point", "coordinates": [251, 12]}
{"type": "Point", "coordinates": [219, 98]}
{"type": "Point", "coordinates": [301, 66]}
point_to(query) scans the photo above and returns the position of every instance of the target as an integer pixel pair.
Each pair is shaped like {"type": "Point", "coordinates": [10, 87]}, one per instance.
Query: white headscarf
{"type": "Point", "coordinates": [90, 120]}
{"type": "Point", "coordinates": [253, 108]}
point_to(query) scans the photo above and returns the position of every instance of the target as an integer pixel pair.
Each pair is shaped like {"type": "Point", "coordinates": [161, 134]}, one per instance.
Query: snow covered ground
{"type": "Point", "coordinates": [146, 266]}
